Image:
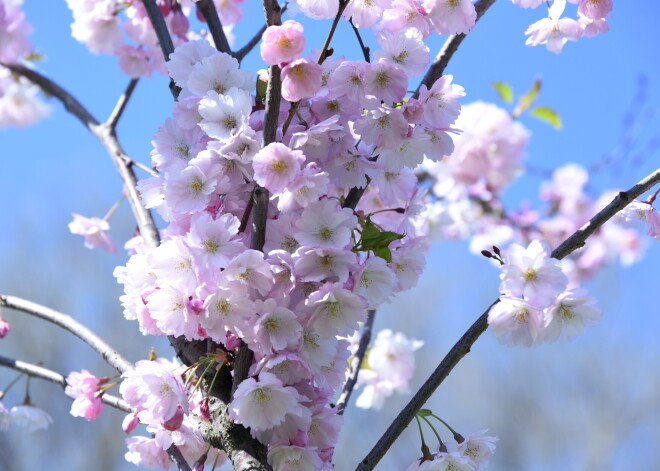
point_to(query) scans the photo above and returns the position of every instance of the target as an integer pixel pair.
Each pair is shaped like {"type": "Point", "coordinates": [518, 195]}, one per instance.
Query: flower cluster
{"type": "Point", "coordinates": [95, 232]}
{"type": "Point", "coordinates": [467, 454]}
{"type": "Point", "coordinates": [554, 31]}
{"type": "Point", "coordinates": [123, 28]}
{"type": "Point", "coordinates": [322, 263]}
{"type": "Point", "coordinates": [83, 388]}
{"type": "Point", "coordinates": [19, 103]}
{"type": "Point", "coordinates": [161, 401]}
{"type": "Point", "coordinates": [535, 305]}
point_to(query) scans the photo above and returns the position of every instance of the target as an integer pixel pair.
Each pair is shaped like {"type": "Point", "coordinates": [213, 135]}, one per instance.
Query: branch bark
{"type": "Point", "coordinates": [113, 119]}
{"type": "Point", "coordinates": [163, 35]}
{"type": "Point", "coordinates": [105, 134]}
{"type": "Point", "coordinates": [210, 14]}
{"type": "Point", "coordinates": [448, 49]}
{"type": "Point", "coordinates": [463, 346]}
{"type": "Point", "coordinates": [109, 354]}
{"type": "Point", "coordinates": [49, 375]}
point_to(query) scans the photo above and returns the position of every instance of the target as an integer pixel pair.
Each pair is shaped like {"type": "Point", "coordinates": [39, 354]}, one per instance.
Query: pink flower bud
{"type": "Point", "coordinates": [199, 464]}
{"type": "Point", "coordinates": [204, 409]}
{"type": "Point", "coordinates": [5, 327]}
{"type": "Point", "coordinates": [174, 422]}
{"type": "Point", "coordinates": [130, 422]}
{"type": "Point", "coordinates": [232, 342]}
{"type": "Point", "coordinates": [179, 24]}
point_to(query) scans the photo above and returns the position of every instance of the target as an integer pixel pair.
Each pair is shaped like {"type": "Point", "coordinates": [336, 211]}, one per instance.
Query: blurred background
{"type": "Point", "coordinates": [590, 404]}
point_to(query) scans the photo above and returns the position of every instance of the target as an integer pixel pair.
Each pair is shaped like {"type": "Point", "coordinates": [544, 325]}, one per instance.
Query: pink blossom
{"type": "Point", "coordinates": [451, 16]}
{"type": "Point", "coordinates": [569, 315]}
{"type": "Point", "coordinates": [95, 232]}
{"type": "Point", "coordinates": [134, 61]}
{"type": "Point", "coordinates": [477, 448]}
{"type": "Point", "coordinates": [318, 9]}
{"type": "Point", "coordinates": [335, 310]}
{"type": "Point", "coordinates": [282, 44]}
{"type": "Point", "coordinates": [276, 329]}
{"type": "Point", "coordinates": [404, 49]}
{"type": "Point", "coordinates": [441, 107]}
{"type": "Point", "coordinates": [143, 451]}
{"type": "Point", "coordinates": [386, 81]}
{"type": "Point", "coordinates": [375, 282]}
{"type": "Point", "coordinates": [404, 14]}
{"type": "Point", "coordinates": [294, 458]}
{"type": "Point", "coordinates": [532, 273]}
{"type": "Point", "coordinates": [275, 166]}
{"type": "Point", "coordinates": [595, 9]}
{"type": "Point", "coordinates": [300, 79]}
{"type": "Point", "coordinates": [325, 224]}
{"type": "Point", "coordinates": [30, 417]}
{"type": "Point", "coordinates": [554, 31]}
{"type": "Point", "coordinates": [527, 3]}
{"type": "Point", "coordinates": [262, 404]}
{"type": "Point", "coordinates": [365, 13]}
{"type": "Point", "coordinates": [5, 418]}
{"type": "Point", "coordinates": [514, 321]}
{"type": "Point", "coordinates": [185, 57]}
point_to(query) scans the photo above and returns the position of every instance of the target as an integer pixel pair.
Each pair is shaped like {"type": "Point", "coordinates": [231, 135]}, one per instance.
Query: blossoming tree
{"type": "Point", "coordinates": [298, 200]}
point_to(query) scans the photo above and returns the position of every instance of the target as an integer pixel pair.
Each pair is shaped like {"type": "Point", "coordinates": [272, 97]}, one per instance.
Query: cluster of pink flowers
{"type": "Point", "coordinates": [536, 306]}
{"type": "Point", "coordinates": [322, 264]}
{"type": "Point", "coordinates": [467, 454]}
{"type": "Point", "coordinates": [554, 31]}
{"type": "Point", "coordinates": [83, 388]}
{"type": "Point", "coordinates": [19, 103]}
{"type": "Point", "coordinates": [122, 28]}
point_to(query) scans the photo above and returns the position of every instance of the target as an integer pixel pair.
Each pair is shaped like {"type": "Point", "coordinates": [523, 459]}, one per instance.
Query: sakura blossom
{"type": "Point", "coordinates": [514, 321]}
{"type": "Point", "coordinates": [282, 44]}
{"type": "Point", "coordinates": [569, 315]}
{"type": "Point", "coordinates": [29, 416]}
{"type": "Point", "coordinates": [95, 232]}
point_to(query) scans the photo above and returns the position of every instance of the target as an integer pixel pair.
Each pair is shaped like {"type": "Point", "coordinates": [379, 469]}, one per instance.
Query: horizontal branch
{"type": "Point", "coordinates": [49, 375]}
{"type": "Point", "coordinates": [450, 46]}
{"type": "Point", "coordinates": [463, 346]}
{"type": "Point", "coordinates": [109, 354]}
{"type": "Point", "coordinates": [106, 135]}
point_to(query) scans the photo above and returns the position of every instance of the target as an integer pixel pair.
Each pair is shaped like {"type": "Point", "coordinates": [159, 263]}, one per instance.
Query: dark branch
{"type": "Point", "coordinates": [109, 354]}
{"type": "Point", "coordinates": [49, 375]}
{"type": "Point", "coordinates": [163, 35]}
{"type": "Point", "coordinates": [210, 14]}
{"type": "Point", "coordinates": [448, 49]}
{"type": "Point", "coordinates": [463, 346]}
{"type": "Point", "coordinates": [177, 458]}
{"type": "Point", "coordinates": [365, 49]}
{"type": "Point", "coordinates": [365, 338]}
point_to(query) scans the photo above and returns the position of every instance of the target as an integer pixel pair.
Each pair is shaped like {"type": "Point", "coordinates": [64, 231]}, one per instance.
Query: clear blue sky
{"type": "Point", "coordinates": [56, 167]}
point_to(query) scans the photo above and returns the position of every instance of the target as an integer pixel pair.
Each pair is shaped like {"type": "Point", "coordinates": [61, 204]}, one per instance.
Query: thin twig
{"type": "Point", "coordinates": [463, 346]}
{"type": "Point", "coordinates": [50, 375]}
{"type": "Point", "coordinates": [109, 354]}
{"type": "Point", "coordinates": [121, 105]}
{"type": "Point", "coordinates": [105, 134]}
{"type": "Point", "coordinates": [448, 49]}
{"type": "Point", "coordinates": [365, 338]}
{"type": "Point", "coordinates": [210, 14]}
{"type": "Point", "coordinates": [365, 49]}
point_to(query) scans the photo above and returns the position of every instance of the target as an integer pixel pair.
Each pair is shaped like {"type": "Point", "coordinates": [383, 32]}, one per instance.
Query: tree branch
{"type": "Point", "coordinates": [177, 458]}
{"type": "Point", "coordinates": [448, 49]}
{"type": "Point", "coordinates": [365, 338]}
{"type": "Point", "coordinates": [105, 134]}
{"type": "Point", "coordinates": [463, 346]}
{"type": "Point", "coordinates": [210, 14]}
{"type": "Point", "coordinates": [110, 355]}
{"type": "Point", "coordinates": [121, 105]}
{"type": "Point", "coordinates": [163, 35]}
{"type": "Point", "coordinates": [49, 375]}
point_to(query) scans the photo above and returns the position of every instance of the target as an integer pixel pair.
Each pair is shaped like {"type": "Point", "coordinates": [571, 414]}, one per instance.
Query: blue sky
{"type": "Point", "coordinates": [56, 167]}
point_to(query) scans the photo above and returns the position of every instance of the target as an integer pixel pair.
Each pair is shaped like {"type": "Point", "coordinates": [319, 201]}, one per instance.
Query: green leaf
{"type": "Point", "coordinates": [384, 253]}
{"type": "Point", "coordinates": [262, 84]}
{"type": "Point", "coordinates": [548, 115]}
{"type": "Point", "coordinates": [504, 91]}
{"type": "Point", "coordinates": [369, 231]}
{"type": "Point", "coordinates": [424, 413]}
{"type": "Point", "coordinates": [528, 98]}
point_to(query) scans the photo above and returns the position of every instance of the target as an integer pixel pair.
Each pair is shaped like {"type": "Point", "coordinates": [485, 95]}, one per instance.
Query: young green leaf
{"type": "Point", "coordinates": [548, 115]}
{"type": "Point", "coordinates": [504, 91]}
